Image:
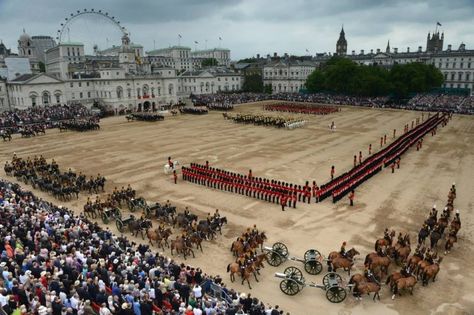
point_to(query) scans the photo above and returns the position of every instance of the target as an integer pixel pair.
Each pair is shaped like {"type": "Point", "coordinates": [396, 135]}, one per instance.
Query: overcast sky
{"type": "Point", "coordinates": [247, 27]}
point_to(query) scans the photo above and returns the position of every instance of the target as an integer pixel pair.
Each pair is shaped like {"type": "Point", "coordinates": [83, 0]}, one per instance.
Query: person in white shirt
{"type": "Point", "coordinates": [197, 290]}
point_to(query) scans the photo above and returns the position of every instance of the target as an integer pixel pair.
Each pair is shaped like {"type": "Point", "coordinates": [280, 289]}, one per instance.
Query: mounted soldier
{"type": "Point", "coordinates": [343, 249]}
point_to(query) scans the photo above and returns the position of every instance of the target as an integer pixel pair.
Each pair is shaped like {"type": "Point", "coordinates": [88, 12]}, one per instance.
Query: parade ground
{"type": "Point", "coordinates": [135, 152]}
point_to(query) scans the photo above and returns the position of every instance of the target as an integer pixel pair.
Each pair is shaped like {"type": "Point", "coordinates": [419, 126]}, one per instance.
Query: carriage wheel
{"type": "Point", "coordinates": [313, 267]}
{"type": "Point", "coordinates": [289, 287]}
{"type": "Point", "coordinates": [281, 249]}
{"type": "Point", "coordinates": [119, 225]}
{"type": "Point", "coordinates": [295, 273]}
{"type": "Point", "coordinates": [105, 218]}
{"type": "Point", "coordinates": [336, 294]}
{"type": "Point", "coordinates": [131, 207]}
{"type": "Point", "coordinates": [274, 259]}
{"type": "Point", "coordinates": [330, 276]}
{"type": "Point", "coordinates": [312, 253]}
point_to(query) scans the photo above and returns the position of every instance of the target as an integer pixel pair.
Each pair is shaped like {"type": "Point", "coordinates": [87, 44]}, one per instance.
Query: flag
{"type": "Point", "coordinates": [438, 23]}
{"type": "Point", "coordinates": [307, 51]}
{"type": "Point", "coordinates": [196, 42]}
{"type": "Point", "coordinates": [179, 35]}
{"type": "Point", "coordinates": [220, 38]}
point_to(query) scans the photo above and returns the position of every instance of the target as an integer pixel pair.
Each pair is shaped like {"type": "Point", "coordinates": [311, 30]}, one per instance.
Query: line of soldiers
{"type": "Point", "coordinates": [275, 121]}
{"type": "Point", "coordinates": [261, 188]}
{"type": "Point", "coordinates": [301, 109]}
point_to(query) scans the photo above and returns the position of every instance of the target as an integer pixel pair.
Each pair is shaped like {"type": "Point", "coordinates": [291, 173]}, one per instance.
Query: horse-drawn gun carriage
{"type": "Point", "coordinates": [111, 213]}
{"type": "Point", "coordinates": [293, 282]}
{"type": "Point", "coordinates": [136, 203]}
{"type": "Point", "coordinates": [278, 253]}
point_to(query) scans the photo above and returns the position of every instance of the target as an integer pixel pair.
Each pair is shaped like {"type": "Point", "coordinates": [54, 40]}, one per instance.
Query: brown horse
{"type": "Point", "coordinates": [155, 236]}
{"type": "Point", "coordinates": [237, 248]}
{"type": "Point", "coordinates": [380, 261]}
{"type": "Point", "coordinates": [258, 240]}
{"type": "Point", "coordinates": [455, 225]}
{"type": "Point", "coordinates": [355, 280]}
{"type": "Point", "coordinates": [392, 279]}
{"type": "Point", "coordinates": [401, 254]}
{"type": "Point", "coordinates": [196, 239]}
{"type": "Point", "coordinates": [350, 253]}
{"type": "Point", "coordinates": [344, 262]}
{"type": "Point", "coordinates": [382, 242]}
{"type": "Point", "coordinates": [258, 263]}
{"type": "Point", "coordinates": [414, 260]}
{"type": "Point", "coordinates": [450, 240]}
{"type": "Point", "coordinates": [430, 272]}
{"type": "Point", "coordinates": [367, 288]}
{"type": "Point", "coordinates": [234, 268]}
{"type": "Point", "coordinates": [406, 283]}
{"type": "Point", "coordinates": [181, 247]}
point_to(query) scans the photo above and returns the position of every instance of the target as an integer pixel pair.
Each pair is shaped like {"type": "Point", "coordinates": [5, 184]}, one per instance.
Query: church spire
{"type": "Point", "coordinates": [341, 45]}
{"type": "Point", "coordinates": [387, 50]}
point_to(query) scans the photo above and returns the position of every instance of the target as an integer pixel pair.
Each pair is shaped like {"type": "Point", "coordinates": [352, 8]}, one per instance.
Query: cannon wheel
{"type": "Point", "coordinates": [132, 206]}
{"type": "Point", "coordinates": [295, 273]}
{"type": "Point", "coordinates": [118, 213]}
{"type": "Point", "coordinates": [119, 225]}
{"type": "Point", "coordinates": [274, 259]}
{"type": "Point", "coordinates": [281, 249]}
{"type": "Point", "coordinates": [313, 267]}
{"type": "Point", "coordinates": [329, 276]}
{"type": "Point", "coordinates": [336, 294]}
{"type": "Point", "coordinates": [312, 253]}
{"type": "Point", "coordinates": [289, 287]}
{"type": "Point", "coordinates": [105, 218]}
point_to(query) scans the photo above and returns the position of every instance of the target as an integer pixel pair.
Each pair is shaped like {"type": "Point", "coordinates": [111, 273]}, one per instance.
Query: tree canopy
{"type": "Point", "coordinates": [209, 62]}
{"type": "Point", "coordinates": [253, 83]}
{"type": "Point", "coordinates": [343, 76]}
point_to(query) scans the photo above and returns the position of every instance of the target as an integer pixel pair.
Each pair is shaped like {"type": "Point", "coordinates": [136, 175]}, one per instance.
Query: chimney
{"type": "Point", "coordinates": [371, 51]}
{"type": "Point", "coordinates": [408, 49]}
{"type": "Point", "coordinates": [286, 55]}
{"type": "Point", "coordinates": [395, 50]}
{"type": "Point", "coordinates": [258, 56]}
{"type": "Point", "coordinates": [449, 47]}
{"type": "Point", "coordinates": [361, 51]}
{"type": "Point", "coordinates": [420, 49]}
{"type": "Point", "coordinates": [275, 55]}
{"type": "Point", "coordinates": [353, 53]}
{"type": "Point", "coordinates": [378, 50]}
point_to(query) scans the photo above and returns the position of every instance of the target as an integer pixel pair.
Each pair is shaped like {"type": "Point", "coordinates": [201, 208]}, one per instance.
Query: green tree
{"type": "Point", "coordinates": [268, 89]}
{"type": "Point", "coordinates": [316, 81]}
{"type": "Point", "coordinates": [253, 83]}
{"type": "Point", "coordinates": [209, 62]}
{"type": "Point", "coordinates": [42, 66]}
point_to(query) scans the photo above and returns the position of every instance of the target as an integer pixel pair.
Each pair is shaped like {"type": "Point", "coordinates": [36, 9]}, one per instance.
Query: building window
{"type": "Point", "coordinates": [33, 100]}
{"type": "Point", "coordinates": [80, 84]}
{"type": "Point", "coordinates": [81, 95]}
{"type": "Point", "coordinates": [46, 98]}
{"type": "Point", "coordinates": [73, 96]}
{"type": "Point", "coordinates": [452, 76]}
{"type": "Point", "coordinates": [460, 76]}
{"type": "Point", "coordinates": [88, 94]}
{"type": "Point", "coordinates": [87, 83]}
{"type": "Point", "coordinates": [71, 84]}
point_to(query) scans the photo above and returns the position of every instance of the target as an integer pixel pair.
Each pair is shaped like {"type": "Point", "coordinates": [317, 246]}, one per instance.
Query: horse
{"type": "Point", "coordinates": [400, 254]}
{"type": "Point", "coordinates": [450, 240]}
{"type": "Point", "coordinates": [356, 279]}
{"type": "Point", "coordinates": [168, 169]}
{"type": "Point", "coordinates": [430, 272]}
{"type": "Point", "coordinates": [181, 246]}
{"type": "Point", "coordinates": [423, 234]}
{"type": "Point", "coordinates": [382, 242]}
{"type": "Point", "coordinates": [344, 262]}
{"type": "Point", "coordinates": [234, 268]}
{"type": "Point", "coordinates": [431, 222]}
{"type": "Point", "coordinates": [139, 226]}
{"type": "Point", "coordinates": [237, 248]}
{"type": "Point", "coordinates": [258, 239]}
{"type": "Point", "coordinates": [392, 280]}
{"type": "Point", "coordinates": [367, 288]}
{"type": "Point", "coordinates": [374, 261]}
{"type": "Point", "coordinates": [455, 225]}
{"type": "Point", "coordinates": [434, 238]}
{"type": "Point", "coordinates": [405, 283]}
{"type": "Point", "coordinates": [195, 238]}
{"type": "Point", "coordinates": [351, 253]}
{"type": "Point", "coordinates": [156, 236]}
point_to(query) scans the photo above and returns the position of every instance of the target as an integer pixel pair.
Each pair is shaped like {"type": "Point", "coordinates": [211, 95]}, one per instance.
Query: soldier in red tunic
{"type": "Point", "coordinates": [332, 172]}
{"type": "Point", "coordinates": [351, 197]}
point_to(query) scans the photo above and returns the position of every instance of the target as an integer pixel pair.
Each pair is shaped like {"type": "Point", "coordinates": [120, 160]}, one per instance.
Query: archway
{"type": "Point", "coordinates": [146, 106]}
{"type": "Point", "coordinates": [153, 106]}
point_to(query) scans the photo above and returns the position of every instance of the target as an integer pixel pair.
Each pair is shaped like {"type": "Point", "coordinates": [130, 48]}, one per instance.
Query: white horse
{"type": "Point", "coordinates": [167, 169]}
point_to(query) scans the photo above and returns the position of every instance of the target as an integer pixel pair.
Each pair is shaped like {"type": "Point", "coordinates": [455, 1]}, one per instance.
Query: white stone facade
{"type": "Point", "coordinates": [177, 57]}
{"type": "Point", "coordinates": [4, 104]}
{"type": "Point", "coordinates": [287, 76]}
{"type": "Point", "coordinates": [208, 82]}
{"type": "Point", "coordinates": [222, 55]}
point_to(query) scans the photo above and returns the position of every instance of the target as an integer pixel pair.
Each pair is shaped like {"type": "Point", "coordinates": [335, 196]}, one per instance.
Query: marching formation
{"type": "Point", "coordinates": [144, 117]}
{"type": "Point", "coordinates": [48, 177]}
{"type": "Point", "coordinates": [194, 110]}
{"type": "Point", "coordinates": [265, 189]}
{"type": "Point", "coordinates": [301, 109]}
{"type": "Point", "coordinates": [262, 120]}
{"type": "Point", "coordinates": [80, 125]}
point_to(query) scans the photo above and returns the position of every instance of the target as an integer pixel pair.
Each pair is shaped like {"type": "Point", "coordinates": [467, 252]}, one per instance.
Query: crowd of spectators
{"type": "Point", "coordinates": [47, 115]}
{"type": "Point", "coordinates": [54, 262]}
{"type": "Point", "coordinates": [442, 102]}
{"type": "Point", "coordinates": [426, 102]}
